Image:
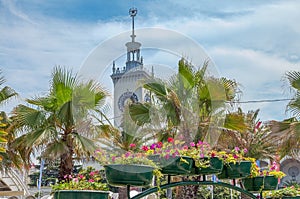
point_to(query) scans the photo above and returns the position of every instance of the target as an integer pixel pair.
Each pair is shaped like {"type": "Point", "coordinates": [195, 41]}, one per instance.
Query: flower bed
{"type": "Point", "coordinates": [88, 179]}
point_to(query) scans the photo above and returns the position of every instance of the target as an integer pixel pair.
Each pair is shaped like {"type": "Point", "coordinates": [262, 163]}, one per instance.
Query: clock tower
{"type": "Point", "coordinates": [125, 79]}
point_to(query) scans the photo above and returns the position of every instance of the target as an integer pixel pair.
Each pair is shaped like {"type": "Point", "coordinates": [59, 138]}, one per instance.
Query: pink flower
{"type": "Point", "coordinates": [245, 150]}
{"type": "Point", "coordinates": [185, 147]}
{"type": "Point", "coordinates": [274, 166]}
{"type": "Point", "coordinates": [170, 140]}
{"type": "Point", "coordinates": [235, 156]}
{"type": "Point", "coordinates": [192, 144]}
{"type": "Point", "coordinates": [167, 156]}
{"type": "Point", "coordinates": [80, 176]}
{"type": "Point", "coordinates": [132, 145]}
{"type": "Point", "coordinates": [75, 179]}
{"type": "Point", "coordinates": [174, 154]}
{"type": "Point", "coordinates": [91, 180]}
{"type": "Point", "coordinates": [237, 149]}
{"type": "Point", "coordinates": [199, 143]}
{"type": "Point", "coordinates": [92, 173]}
{"type": "Point", "coordinates": [113, 158]}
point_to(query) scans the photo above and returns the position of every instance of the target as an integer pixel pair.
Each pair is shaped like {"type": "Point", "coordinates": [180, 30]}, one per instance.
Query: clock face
{"type": "Point", "coordinates": [127, 98]}
{"type": "Point", "coordinates": [147, 98]}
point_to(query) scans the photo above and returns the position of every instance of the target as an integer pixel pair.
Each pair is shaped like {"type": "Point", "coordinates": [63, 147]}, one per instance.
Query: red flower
{"type": "Point", "coordinates": [159, 144]}
{"type": "Point", "coordinates": [145, 148]}
{"type": "Point", "coordinates": [170, 140]}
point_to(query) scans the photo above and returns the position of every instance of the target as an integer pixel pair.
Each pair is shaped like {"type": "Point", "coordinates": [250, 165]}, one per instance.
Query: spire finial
{"type": "Point", "coordinates": [132, 13]}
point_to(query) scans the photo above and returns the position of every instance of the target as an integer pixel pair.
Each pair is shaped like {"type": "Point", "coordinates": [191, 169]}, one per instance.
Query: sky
{"type": "Point", "coordinates": [253, 42]}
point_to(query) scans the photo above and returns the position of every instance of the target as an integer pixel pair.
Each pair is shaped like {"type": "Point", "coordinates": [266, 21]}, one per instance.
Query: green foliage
{"type": "Point", "coordinates": [87, 179]}
{"type": "Point", "coordinates": [278, 194]}
{"type": "Point", "coordinates": [218, 192]}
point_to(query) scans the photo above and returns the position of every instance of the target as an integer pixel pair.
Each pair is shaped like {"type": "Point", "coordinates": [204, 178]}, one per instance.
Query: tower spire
{"type": "Point", "coordinates": [132, 13]}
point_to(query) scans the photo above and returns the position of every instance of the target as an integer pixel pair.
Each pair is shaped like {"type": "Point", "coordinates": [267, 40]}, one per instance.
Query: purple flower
{"type": "Point", "coordinates": [245, 150]}
{"type": "Point", "coordinates": [153, 146]}
{"type": "Point", "coordinates": [127, 154]}
{"type": "Point", "coordinates": [192, 144]}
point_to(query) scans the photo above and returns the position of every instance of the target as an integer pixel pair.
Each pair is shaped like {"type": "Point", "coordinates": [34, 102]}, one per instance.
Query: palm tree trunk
{"type": "Point", "coordinates": [66, 162]}
{"type": "Point", "coordinates": [189, 191]}
{"type": "Point", "coordinates": [66, 166]}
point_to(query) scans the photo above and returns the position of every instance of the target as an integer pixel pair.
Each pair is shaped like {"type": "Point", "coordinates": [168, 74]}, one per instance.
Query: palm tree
{"type": "Point", "coordinates": [11, 156]}
{"type": "Point", "coordinates": [6, 94]}
{"type": "Point", "coordinates": [288, 130]}
{"type": "Point", "coordinates": [247, 131]}
{"type": "Point", "coordinates": [59, 125]}
{"type": "Point", "coordinates": [191, 105]}
{"type": "Point", "coordinates": [3, 140]}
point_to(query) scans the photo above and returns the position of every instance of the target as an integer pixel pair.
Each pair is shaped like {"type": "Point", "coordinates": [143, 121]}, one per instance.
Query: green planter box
{"type": "Point", "coordinates": [121, 175]}
{"type": "Point", "coordinates": [260, 183]}
{"type": "Point", "coordinates": [215, 167]}
{"type": "Point", "coordinates": [174, 165]}
{"type": "Point", "coordinates": [239, 170]}
{"type": "Point", "coordinates": [80, 194]}
{"type": "Point", "coordinates": [285, 197]}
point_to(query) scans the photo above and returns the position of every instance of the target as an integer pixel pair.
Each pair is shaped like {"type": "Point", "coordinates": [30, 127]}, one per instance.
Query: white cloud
{"type": "Point", "coordinates": [253, 42]}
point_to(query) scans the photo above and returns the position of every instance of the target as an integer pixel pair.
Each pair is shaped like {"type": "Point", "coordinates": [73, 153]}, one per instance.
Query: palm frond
{"type": "Point", "coordinates": [294, 79]}
{"type": "Point", "coordinates": [7, 93]}
{"type": "Point", "coordinates": [28, 117]}
{"type": "Point", "coordinates": [55, 149]}
{"type": "Point", "coordinates": [83, 146]}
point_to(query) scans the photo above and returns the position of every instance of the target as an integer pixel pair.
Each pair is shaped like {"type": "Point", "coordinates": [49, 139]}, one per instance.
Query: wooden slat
{"type": "Point", "coordinates": [11, 193]}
